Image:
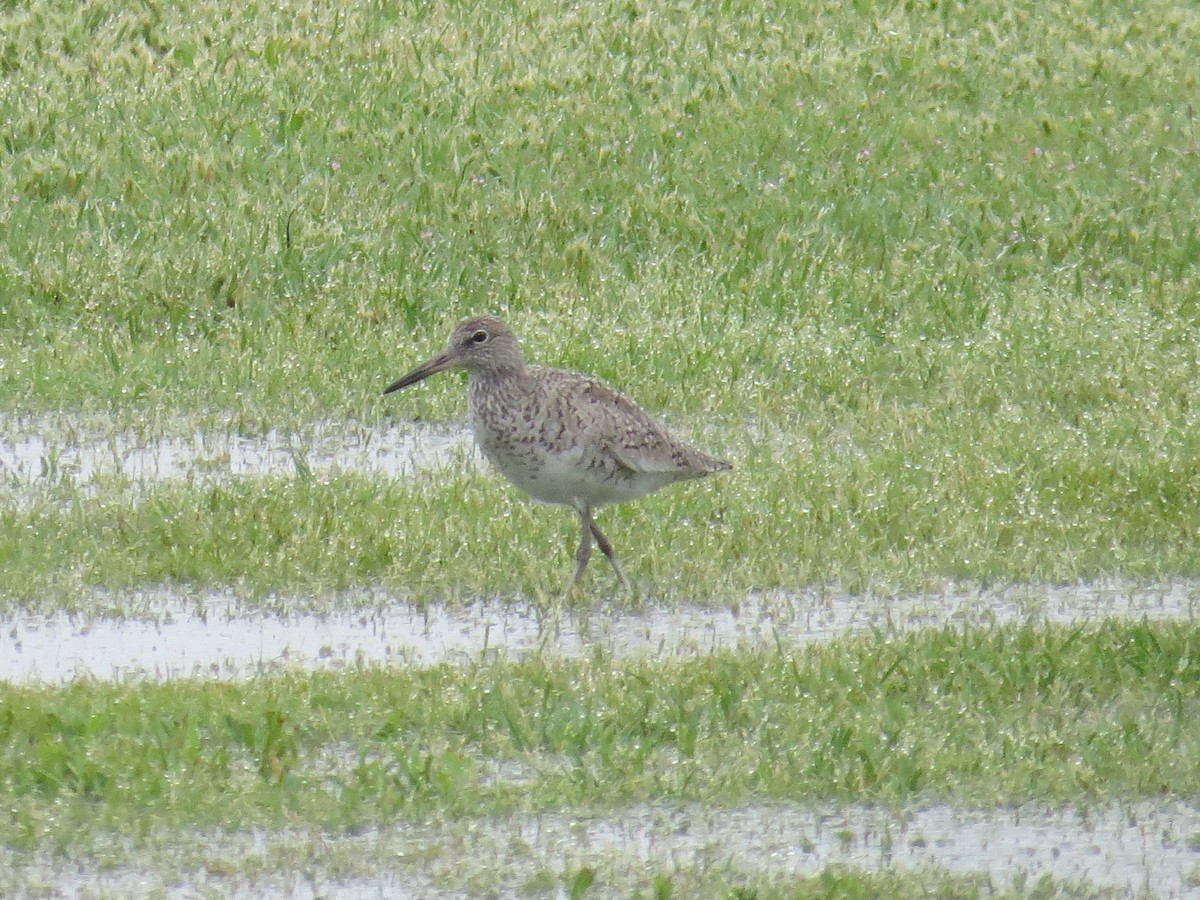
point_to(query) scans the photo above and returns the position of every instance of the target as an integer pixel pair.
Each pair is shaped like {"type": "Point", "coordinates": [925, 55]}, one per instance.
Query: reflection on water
{"type": "Point", "coordinates": [1140, 849]}
{"type": "Point", "coordinates": [1127, 848]}
{"type": "Point", "coordinates": [39, 453]}
{"type": "Point", "coordinates": [170, 634]}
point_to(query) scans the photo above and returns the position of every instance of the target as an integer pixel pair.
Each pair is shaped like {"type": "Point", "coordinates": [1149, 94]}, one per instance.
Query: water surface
{"type": "Point", "coordinates": [169, 633]}
{"type": "Point", "coordinates": [1142, 849]}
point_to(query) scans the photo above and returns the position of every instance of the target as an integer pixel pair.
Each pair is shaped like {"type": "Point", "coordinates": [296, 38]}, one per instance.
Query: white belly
{"type": "Point", "coordinates": [569, 477]}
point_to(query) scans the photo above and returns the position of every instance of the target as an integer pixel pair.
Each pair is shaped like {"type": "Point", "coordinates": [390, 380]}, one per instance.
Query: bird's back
{"type": "Point", "coordinates": [564, 437]}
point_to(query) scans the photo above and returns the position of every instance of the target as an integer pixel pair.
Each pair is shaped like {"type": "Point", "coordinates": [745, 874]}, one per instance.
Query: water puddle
{"type": "Point", "coordinates": [1140, 849]}
{"type": "Point", "coordinates": [37, 453]}
{"type": "Point", "coordinates": [1135, 849]}
{"type": "Point", "coordinates": [163, 634]}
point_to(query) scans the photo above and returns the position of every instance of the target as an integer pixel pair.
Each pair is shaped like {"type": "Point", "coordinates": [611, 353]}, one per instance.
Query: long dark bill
{"type": "Point", "coordinates": [432, 366]}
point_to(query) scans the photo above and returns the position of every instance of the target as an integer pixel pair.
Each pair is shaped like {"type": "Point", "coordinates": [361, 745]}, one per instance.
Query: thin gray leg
{"type": "Point", "coordinates": [606, 546]}
{"type": "Point", "coordinates": [584, 553]}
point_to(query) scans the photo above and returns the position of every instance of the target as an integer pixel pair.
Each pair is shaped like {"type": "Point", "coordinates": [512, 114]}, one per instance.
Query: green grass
{"type": "Point", "coordinates": [888, 517]}
{"type": "Point", "coordinates": [926, 274]}
{"type": "Point", "coordinates": [997, 716]}
{"type": "Point", "coordinates": [267, 210]}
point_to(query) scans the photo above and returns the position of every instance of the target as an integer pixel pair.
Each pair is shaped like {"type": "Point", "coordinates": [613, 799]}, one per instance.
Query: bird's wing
{"type": "Point", "coordinates": [629, 434]}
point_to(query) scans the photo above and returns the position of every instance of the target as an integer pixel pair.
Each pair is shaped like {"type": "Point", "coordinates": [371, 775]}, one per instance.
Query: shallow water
{"type": "Point", "coordinates": [1140, 849]}
{"type": "Point", "coordinates": [161, 633]}
{"type": "Point", "coordinates": [170, 634]}
{"type": "Point", "coordinates": [39, 452]}
{"type": "Point", "coordinates": [1134, 848]}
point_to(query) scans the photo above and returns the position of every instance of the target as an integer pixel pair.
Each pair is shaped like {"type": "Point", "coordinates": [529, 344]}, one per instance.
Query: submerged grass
{"type": "Point", "coordinates": [294, 863]}
{"type": "Point", "coordinates": [972, 717]}
{"type": "Point", "coordinates": [835, 883]}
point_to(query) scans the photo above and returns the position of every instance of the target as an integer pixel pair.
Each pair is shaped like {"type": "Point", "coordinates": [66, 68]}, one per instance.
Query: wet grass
{"type": "Point", "coordinates": [888, 261]}
{"type": "Point", "coordinates": [836, 883]}
{"type": "Point", "coordinates": [990, 717]}
{"type": "Point", "coordinates": [927, 274]}
{"type": "Point", "coordinates": [797, 514]}
{"type": "Point", "coordinates": [266, 211]}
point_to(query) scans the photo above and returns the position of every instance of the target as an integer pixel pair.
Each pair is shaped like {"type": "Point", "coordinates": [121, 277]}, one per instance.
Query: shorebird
{"type": "Point", "coordinates": [562, 437]}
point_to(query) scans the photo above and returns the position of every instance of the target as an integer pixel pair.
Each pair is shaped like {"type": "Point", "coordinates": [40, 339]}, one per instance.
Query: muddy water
{"type": "Point", "coordinates": [168, 634]}
{"type": "Point", "coordinates": [1133, 850]}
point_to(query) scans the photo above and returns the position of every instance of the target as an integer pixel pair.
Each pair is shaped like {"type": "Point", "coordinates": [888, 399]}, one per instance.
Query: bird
{"type": "Point", "coordinates": [562, 437]}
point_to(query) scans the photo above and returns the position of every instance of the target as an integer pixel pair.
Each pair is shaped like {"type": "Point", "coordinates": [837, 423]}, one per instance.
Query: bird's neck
{"type": "Point", "coordinates": [506, 372]}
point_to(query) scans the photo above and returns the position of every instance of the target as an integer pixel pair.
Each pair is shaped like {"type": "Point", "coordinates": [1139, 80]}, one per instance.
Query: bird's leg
{"type": "Point", "coordinates": [606, 546]}
{"type": "Point", "coordinates": [584, 553]}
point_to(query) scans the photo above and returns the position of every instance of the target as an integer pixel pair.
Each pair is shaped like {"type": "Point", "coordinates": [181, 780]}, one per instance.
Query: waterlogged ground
{"type": "Point", "coordinates": [931, 275]}
{"type": "Point", "coordinates": [38, 452]}
{"type": "Point", "coordinates": [1137, 850]}
{"type": "Point", "coordinates": [1142, 849]}
{"type": "Point", "coordinates": [171, 633]}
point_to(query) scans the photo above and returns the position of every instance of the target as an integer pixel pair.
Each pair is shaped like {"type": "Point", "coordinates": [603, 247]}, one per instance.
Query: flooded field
{"type": "Point", "coordinates": [36, 452]}
{"type": "Point", "coordinates": [171, 634]}
{"type": "Point", "coordinates": [161, 633]}
{"type": "Point", "coordinates": [1135, 850]}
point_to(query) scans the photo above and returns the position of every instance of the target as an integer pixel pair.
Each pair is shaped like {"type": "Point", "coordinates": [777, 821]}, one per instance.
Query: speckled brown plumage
{"type": "Point", "coordinates": [560, 436]}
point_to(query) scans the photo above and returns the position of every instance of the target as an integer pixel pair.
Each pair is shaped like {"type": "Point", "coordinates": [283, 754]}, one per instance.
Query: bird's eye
{"type": "Point", "coordinates": [480, 336]}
